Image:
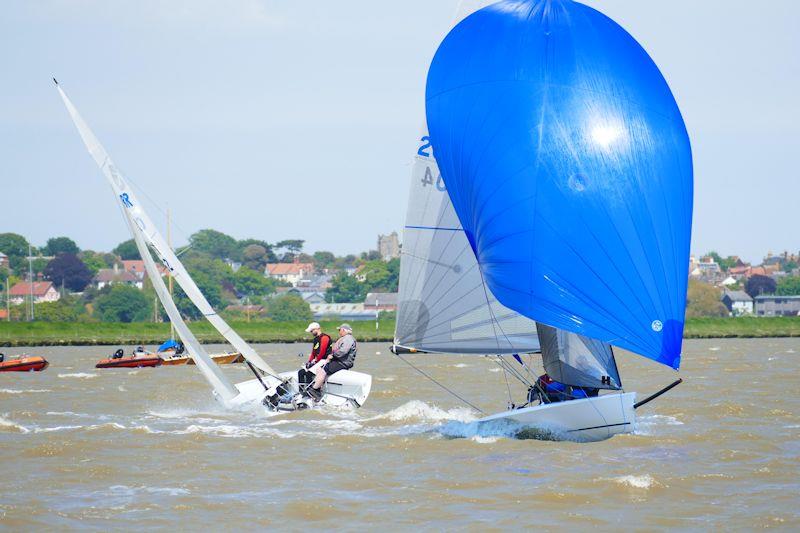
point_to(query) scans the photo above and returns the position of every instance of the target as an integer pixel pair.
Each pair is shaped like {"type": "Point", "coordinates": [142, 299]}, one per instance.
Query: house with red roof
{"type": "Point", "coordinates": [42, 291]}
{"type": "Point", "coordinates": [292, 273]}
{"type": "Point", "coordinates": [136, 267]}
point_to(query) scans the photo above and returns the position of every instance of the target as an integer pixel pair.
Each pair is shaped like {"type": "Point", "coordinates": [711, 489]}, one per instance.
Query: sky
{"type": "Point", "coordinates": [277, 119]}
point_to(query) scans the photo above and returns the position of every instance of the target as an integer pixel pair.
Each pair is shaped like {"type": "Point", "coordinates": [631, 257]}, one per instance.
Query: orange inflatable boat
{"type": "Point", "coordinates": [137, 360]}
{"type": "Point", "coordinates": [24, 363]}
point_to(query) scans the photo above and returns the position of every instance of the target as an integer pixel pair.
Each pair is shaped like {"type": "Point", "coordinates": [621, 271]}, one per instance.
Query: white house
{"type": "Point", "coordinates": [292, 273]}
{"type": "Point", "coordinates": [115, 276]}
{"type": "Point", "coordinates": [738, 303]}
{"type": "Point", "coordinates": [43, 291]}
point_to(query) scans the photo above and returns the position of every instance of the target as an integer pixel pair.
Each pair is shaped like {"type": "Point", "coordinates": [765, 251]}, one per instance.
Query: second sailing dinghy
{"type": "Point", "coordinates": [563, 182]}
{"type": "Point", "coordinates": [276, 391]}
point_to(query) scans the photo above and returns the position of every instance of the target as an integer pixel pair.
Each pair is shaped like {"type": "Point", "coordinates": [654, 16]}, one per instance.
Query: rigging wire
{"type": "Point", "coordinates": [508, 388]}
{"type": "Point", "coordinates": [438, 383]}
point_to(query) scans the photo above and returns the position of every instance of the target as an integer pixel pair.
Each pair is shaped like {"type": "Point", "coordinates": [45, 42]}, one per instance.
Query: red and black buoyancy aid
{"type": "Point", "coordinates": [321, 348]}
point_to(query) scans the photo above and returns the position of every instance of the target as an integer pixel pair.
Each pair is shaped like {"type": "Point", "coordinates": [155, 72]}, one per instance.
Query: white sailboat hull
{"type": "Point", "coordinates": [589, 419]}
{"type": "Point", "coordinates": [344, 388]}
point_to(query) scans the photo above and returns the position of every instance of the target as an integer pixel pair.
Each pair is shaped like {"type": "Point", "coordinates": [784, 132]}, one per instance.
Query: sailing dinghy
{"type": "Point", "coordinates": [561, 193]}
{"type": "Point", "coordinates": [276, 391]}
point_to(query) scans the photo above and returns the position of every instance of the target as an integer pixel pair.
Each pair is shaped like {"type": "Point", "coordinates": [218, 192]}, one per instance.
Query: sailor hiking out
{"type": "Point", "coordinates": [342, 357]}
{"type": "Point", "coordinates": [321, 348]}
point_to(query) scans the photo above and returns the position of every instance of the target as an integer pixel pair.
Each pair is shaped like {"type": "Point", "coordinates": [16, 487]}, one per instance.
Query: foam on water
{"type": "Point", "coordinates": [55, 428]}
{"type": "Point", "coordinates": [8, 425]}
{"type": "Point", "coordinates": [124, 490]}
{"type": "Point", "coordinates": [638, 482]}
{"type": "Point", "coordinates": [78, 375]}
{"type": "Point", "coordinates": [646, 425]}
{"type": "Point", "coordinates": [23, 391]}
{"type": "Point", "coordinates": [483, 432]}
{"type": "Point", "coordinates": [418, 410]}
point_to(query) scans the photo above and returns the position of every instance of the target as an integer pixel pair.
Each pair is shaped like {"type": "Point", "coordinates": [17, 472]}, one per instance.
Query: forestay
{"type": "Point", "coordinates": [573, 359]}
{"type": "Point", "coordinates": [569, 166]}
{"type": "Point", "coordinates": [154, 238]}
{"type": "Point", "coordinates": [444, 305]}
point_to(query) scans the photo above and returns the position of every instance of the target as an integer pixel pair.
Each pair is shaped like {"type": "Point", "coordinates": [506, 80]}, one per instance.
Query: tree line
{"type": "Point", "coordinates": [210, 258]}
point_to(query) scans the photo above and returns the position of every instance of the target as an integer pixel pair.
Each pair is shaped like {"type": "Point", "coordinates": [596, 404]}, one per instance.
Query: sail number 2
{"type": "Point", "coordinates": [425, 150]}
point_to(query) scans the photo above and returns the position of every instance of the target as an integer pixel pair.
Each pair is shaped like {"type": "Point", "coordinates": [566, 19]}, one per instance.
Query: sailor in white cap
{"type": "Point", "coordinates": [320, 349]}
{"type": "Point", "coordinates": [342, 357]}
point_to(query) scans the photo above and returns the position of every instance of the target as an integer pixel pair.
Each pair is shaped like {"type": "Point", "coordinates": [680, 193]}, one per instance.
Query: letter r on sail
{"type": "Point", "coordinates": [125, 201]}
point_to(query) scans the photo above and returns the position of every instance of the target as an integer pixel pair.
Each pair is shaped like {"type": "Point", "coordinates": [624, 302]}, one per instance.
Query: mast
{"type": "Point", "coordinates": [155, 240]}
{"type": "Point", "coordinates": [169, 274]}
{"type": "Point", "coordinates": [30, 277]}
{"type": "Point", "coordinates": [219, 382]}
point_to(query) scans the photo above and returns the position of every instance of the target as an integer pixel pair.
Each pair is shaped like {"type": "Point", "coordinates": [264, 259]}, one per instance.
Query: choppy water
{"type": "Point", "coordinates": [149, 448]}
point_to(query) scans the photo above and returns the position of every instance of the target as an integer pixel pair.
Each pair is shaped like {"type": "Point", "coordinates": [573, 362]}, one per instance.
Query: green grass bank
{"type": "Point", "coordinates": [102, 333]}
{"type": "Point", "coordinates": [106, 333]}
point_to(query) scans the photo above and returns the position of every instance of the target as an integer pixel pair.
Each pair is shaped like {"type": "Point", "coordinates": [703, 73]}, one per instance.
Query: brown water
{"type": "Point", "coordinates": [149, 448]}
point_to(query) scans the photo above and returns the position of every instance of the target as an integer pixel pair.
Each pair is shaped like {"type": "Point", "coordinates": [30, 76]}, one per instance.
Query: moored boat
{"type": "Point", "coordinates": [23, 363]}
{"type": "Point", "coordinates": [224, 358]}
{"type": "Point", "coordinates": [171, 359]}
{"type": "Point", "coordinates": [137, 360]}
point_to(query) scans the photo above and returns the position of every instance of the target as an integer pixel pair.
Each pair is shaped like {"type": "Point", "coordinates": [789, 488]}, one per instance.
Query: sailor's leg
{"type": "Point", "coordinates": [317, 367]}
{"type": "Point", "coordinates": [319, 380]}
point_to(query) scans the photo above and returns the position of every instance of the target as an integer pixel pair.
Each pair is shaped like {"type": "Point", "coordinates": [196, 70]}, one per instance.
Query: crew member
{"type": "Point", "coordinates": [342, 357]}
{"type": "Point", "coordinates": [321, 348]}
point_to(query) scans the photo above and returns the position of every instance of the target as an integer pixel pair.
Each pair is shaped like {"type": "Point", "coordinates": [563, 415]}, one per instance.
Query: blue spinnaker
{"type": "Point", "coordinates": [570, 169]}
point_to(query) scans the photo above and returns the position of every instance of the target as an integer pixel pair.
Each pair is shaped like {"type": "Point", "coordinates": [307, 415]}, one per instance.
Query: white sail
{"type": "Point", "coordinates": [444, 305]}
{"type": "Point", "coordinates": [223, 387]}
{"type": "Point", "coordinates": [156, 241]}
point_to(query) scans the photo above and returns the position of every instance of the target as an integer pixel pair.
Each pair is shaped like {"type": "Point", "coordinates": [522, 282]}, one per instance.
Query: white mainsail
{"type": "Point", "coordinates": [155, 240]}
{"type": "Point", "coordinates": [222, 386]}
{"type": "Point", "coordinates": [444, 305]}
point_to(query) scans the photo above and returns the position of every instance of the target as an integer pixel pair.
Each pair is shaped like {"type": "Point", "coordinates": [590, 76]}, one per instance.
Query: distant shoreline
{"type": "Point", "coordinates": [14, 334]}
{"type": "Point", "coordinates": [26, 334]}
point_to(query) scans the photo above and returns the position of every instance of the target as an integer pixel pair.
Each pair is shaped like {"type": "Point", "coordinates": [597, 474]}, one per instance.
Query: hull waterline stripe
{"type": "Point", "coordinates": [600, 427]}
